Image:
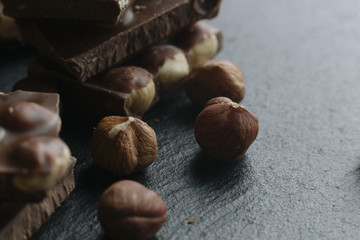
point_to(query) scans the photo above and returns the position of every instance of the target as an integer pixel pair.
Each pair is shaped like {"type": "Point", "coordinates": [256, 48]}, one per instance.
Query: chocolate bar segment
{"type": "Point", "coordinates": [32, 156]}
{"type": "Point", "coordinates": [83, 51]}
{"type": "Point", "coordinates": [87, 11]}
{"type": "Point", "coordinates": [21, 221]}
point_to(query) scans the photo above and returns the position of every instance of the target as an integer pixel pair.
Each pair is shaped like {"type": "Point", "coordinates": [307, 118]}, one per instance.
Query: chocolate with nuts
{"type": "Point", "coordinates": [123, 145]}
{"type": "Point", "coordinates": [20, 221]}
{"type": "Point", "coordinates": [32, 157]}
{"type": "Point", "coordinates": [168, 64]}
{"type": "Point", "coordinates": [127, 210]}
{"type": "Point", "coordinates": [200, 41]}
{"type": "Point", "coordinates": [84, 51]}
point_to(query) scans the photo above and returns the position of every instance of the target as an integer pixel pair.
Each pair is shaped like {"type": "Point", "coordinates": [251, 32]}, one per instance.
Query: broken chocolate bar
{"type": "Point", "coordinates": [32, 156]}
{"type": "Point", "coordinates": [84, 51]}
{"type": "Point", "coordinates": [88, 11]}
{"type": "Point", "coordinates": [21, 221]}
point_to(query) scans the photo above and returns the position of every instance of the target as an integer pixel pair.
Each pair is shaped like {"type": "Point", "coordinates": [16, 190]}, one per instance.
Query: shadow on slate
{"type": "Point", "coordinates": [208, 172]}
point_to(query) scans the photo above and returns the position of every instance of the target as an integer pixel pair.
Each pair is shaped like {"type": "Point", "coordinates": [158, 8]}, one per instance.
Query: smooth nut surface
{"type": "Point", "coordinates": [127, 210]}
{"type": "Point", "coordinates": [200, 41]}
{"type": "Point", "coordinates": [225, 129]}
{"type": "Point", "coordinates": [123, 145]}
{"type": "Point", "coordinates": [43, 160]}
{"type": "Point", "coordinates": [135, 82]}
{"type": "Point", "coordinates": [215, 78]}
{"type": "Point", "coordinates": [168, 63]}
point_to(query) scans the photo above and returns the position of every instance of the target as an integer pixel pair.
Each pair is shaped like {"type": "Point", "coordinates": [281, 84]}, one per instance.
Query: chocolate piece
{"type": "Point", "coordinates": [84, 51]}
{"type": "Point", "coordinates": [124, 91]}
{"type": "Point", "coordinates": [88, 11]}
{"type": "Point", "coordinates": [32, 157]}
{"type": "Point", "coordinates": [20, 221]}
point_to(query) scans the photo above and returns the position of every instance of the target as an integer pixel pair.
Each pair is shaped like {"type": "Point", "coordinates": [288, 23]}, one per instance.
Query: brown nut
{"type": "Point", "coordinates": [127, 210]}
{"type": "Point", "coordinates": [200, 41]}
{"type": "Point", "coordinates": [24, 116]}
{"type": "Point", "coordinates": [225, 130]}
{"type": "Point", "coordinates": [43, 162]}
{"type": "Point", "coordinates": [215, 78]}
{"type": "Point", "coordinates": [168, 64]}
{"type": "Point", "coordinates": [123, 145]}
{"type": "Point", "coordinates": [137, 83]}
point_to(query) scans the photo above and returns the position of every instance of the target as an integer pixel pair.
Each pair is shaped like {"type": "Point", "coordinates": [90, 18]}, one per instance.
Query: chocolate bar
{"type": "Point", "coordinates": [20, 221]}
{"type": "Point", "coordinates": [84, 51]}
{"type": "Point", "coordinates": [108, 93]}
{"type": "Point", "coordinates": [88, 11]}
{"type": "Point", "coordinates": [32, 156]}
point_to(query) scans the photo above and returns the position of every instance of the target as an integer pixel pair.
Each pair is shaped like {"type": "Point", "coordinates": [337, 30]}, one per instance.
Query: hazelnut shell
{"type": "Point", "coordinates": [225, 130]}
{"type": "Point", "coordinates": [215, 78]}
{"type": "Point", "coordinates": [128, 210]}
{"type": "Point", "coordinates": [123, 145]}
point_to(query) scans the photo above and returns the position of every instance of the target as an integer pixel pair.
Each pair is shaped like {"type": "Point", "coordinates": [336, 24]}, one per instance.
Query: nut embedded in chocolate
{"type": "Point", "coordinates": [43, 162]}
{"type": "Point", "coordinates": [200, 41]}
{"type": "Point", "coordinates": [123, 145]}
{"type": "Point", "coordinates": [215, 78]}
{"type": "Point", "coordinates": [168, 64]}
{"type": "Point", "coordinates": [25, 116]}
{"type": "Point", "coordinates": [225, 130]}
{"type": "Point", "coordinates": [129, 211]}
{"type": "Point", "coordinates": [136, 83]}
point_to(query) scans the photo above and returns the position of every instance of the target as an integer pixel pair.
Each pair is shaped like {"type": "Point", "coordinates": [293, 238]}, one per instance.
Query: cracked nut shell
{"type": "Point", "coordinates": [123, 145]}
{"type": "Point", "coordinates": [215, 78]}
{"type": "Point", "coordinates": [225, 129]}
{"type": "Point", "coordinates": [128, 210]}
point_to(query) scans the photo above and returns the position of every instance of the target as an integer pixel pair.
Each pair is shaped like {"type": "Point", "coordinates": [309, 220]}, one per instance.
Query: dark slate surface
{"type": "Point", "coordinates": [301, 177]}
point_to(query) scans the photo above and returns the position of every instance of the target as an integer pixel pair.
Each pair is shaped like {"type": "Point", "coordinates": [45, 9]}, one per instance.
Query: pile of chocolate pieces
{"type": "Point", "coordinates": [104, 57]}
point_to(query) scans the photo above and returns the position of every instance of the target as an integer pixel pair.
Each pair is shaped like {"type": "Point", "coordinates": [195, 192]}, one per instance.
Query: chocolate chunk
{"type": "Point", "coordinates": [88, 11]}
{"type": "Point", "coordinates": [123, 91]}
{"type": "Point", "coordinates": [83, 51]}
{"type": "Point", "coordinates": [21, 221]}
{"type": "Point", "coordinates": [32, 157]}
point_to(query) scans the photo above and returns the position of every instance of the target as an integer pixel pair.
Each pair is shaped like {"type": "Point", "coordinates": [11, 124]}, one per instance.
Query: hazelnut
{"type": "Point", "coordinates": [43, 162]}
{"type": "Point", "coordinates": [136, 83]}
{"type": "Point", "coordinates": [24, 116]}
{"type": "Point", "coordinates": [200, 41]}
{"type": "Point", "coordinates": [215, 78]}
{"type": "Point", "coordinates": [225, 130]}
{"type": "Point", "coordinates": [168, 64]}
{"type": "Point", "coordinates": [127, 210]}
{"type": "Point", "coordinates": [123, 145]}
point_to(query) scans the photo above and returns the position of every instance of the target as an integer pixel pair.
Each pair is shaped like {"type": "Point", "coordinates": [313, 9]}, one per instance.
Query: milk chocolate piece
{"type": "Point", "coordinates": [84, 51]}
{"type": "Point", "coordinates": [21, 221]}
{"type": "Point", "coordinates": [88, 11]}
{"type": "Point", "coordinates": [32, 157]}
